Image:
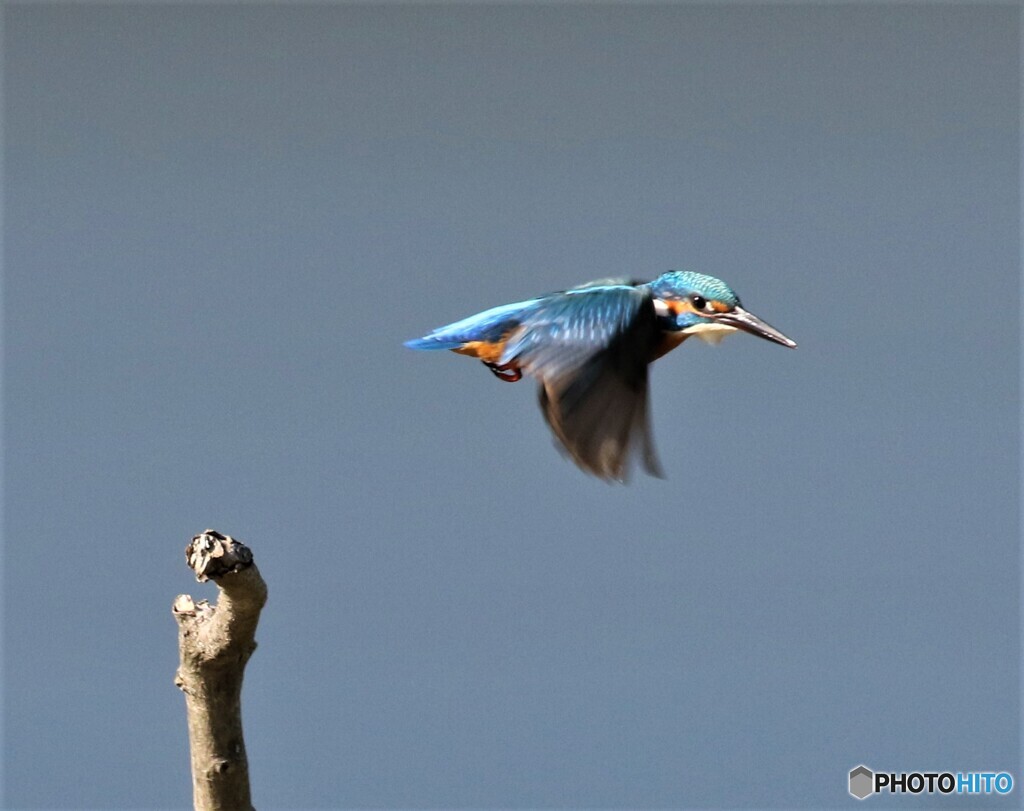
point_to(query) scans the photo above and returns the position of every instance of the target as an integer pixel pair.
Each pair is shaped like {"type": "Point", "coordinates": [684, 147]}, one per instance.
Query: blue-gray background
{"type": "Point", "coordinates": [221, 222]}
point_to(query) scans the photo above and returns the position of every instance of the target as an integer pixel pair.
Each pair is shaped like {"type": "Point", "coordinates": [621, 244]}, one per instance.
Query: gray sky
{"type": "Point", "coordinates": [222, 221]}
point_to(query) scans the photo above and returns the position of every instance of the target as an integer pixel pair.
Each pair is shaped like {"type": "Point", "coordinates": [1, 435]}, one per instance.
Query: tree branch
{"type": "Point", "coordinates": [214, 644]}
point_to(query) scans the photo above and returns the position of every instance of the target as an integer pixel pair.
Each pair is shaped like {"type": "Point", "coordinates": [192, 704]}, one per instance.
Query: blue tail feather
{"type": "Point", "coordinates": [433, 342]}
{"type": "Point", "coordinates": [490, 325]}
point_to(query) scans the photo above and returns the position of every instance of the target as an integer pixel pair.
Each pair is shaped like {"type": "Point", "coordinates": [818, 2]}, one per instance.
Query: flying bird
{"type": "Point", "coordinates": [590, 347]}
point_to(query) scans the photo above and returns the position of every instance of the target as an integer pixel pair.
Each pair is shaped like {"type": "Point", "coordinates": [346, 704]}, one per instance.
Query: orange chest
{"type": "Point", "coordinates": [667, 342]}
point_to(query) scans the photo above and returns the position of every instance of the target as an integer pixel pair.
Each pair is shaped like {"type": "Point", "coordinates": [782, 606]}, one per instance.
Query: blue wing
{"type": "Point", "coordinates": [590, 348]}
{"type": "Point", "coordinates": [563, 330]}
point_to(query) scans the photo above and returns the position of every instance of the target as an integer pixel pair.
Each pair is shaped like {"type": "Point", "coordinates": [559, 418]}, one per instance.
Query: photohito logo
{"type": "Point", "coordinates": [864, 782]}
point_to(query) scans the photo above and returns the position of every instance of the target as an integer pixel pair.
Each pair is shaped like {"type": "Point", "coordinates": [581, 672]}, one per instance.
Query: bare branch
{"type": "Point", "coordinates": [214, 644]}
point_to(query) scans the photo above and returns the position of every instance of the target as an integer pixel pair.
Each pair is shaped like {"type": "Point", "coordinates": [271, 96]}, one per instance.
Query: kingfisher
{"type": "Point", "coordinates": [590, 347]}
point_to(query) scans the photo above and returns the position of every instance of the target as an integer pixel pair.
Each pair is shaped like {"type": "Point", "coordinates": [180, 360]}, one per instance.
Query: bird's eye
{"type": "Point", "coordinates": [699, 302]}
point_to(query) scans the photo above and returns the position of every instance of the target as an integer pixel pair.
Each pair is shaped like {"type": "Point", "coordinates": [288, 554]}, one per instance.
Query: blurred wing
{"type": "Point", "coordinates": [564, 329]}
{"type": "Point", "coordinates": [590, 349]}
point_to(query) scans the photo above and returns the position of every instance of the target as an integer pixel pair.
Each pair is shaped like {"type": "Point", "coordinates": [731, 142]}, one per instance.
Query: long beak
{"type": "Point", "coordinates": [748, 322]}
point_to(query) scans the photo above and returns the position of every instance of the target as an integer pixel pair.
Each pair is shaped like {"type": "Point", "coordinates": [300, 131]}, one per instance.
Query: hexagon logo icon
{"type": "Point", "coordinates": [862, 782]}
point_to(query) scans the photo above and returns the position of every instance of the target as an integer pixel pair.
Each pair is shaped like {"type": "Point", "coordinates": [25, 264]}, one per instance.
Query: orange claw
{"type": "Point", "coordinates": [508, 372]}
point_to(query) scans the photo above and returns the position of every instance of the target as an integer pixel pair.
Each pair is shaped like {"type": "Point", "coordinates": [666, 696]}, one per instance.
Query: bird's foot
{"type": "Point", "coordinates": [504, 371]}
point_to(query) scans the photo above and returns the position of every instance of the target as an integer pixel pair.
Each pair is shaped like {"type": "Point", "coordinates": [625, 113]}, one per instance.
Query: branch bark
{"type": "Point", "coordinates": [214, 645]}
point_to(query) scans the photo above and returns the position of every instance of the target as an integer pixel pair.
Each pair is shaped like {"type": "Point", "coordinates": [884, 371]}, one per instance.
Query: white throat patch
{"type": "Point", "coordinates": [712, 333]}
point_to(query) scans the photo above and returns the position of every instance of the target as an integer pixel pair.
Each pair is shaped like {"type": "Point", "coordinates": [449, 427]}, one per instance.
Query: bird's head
{"type": "Point", "coordinates": [690, 303]}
